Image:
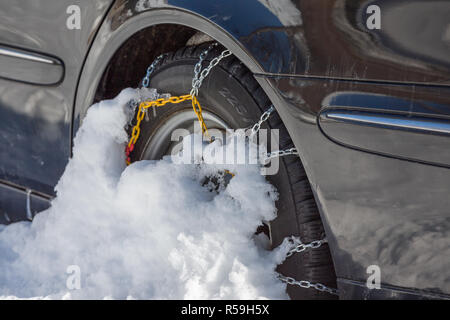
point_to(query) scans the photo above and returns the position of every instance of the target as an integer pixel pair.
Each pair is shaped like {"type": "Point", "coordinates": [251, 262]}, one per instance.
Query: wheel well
{"type": "Point", "coordinates": [129, 63]}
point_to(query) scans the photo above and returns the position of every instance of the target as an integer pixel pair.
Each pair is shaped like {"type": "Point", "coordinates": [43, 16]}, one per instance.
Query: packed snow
{"type": "Point", "coordinates": [151, 230]}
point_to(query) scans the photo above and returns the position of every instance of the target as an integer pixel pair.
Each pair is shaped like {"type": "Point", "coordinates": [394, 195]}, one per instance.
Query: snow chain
{"type": "Point", "coordinates": [199, 76]}
{"type": "Point", "coordinates": [297, 247]}
{"type": "Point", "coordinates": [307, 284]}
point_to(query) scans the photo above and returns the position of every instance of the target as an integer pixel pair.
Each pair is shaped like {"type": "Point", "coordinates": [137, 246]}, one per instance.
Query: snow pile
{"type": "Point", "coordinates": [149, 230]}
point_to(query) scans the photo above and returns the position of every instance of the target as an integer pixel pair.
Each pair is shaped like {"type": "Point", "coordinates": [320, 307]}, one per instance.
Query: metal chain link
{"type": "Point", "coordinates": [281, 153]}
{"type": "Point", "coordinates": [198, 65]}
{"type": "Point", "coordinates": [199, 76]}
{"type": "Point", "coordinates": [262, 119]}
{"type": "Point", "coordinates": [257, 126]}
{"type": "Point", "coordinates": [299, 246]}
{"type": "Point", "coordinates": [307, 284]}
{"type": "Point", "coordinates": [150, 69]}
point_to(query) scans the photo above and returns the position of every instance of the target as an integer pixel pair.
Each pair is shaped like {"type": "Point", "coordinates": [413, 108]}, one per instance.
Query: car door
{"type": "Point", "coordinates": [42, 48]}
{"type": "Point", "coordinates": [370, 114]}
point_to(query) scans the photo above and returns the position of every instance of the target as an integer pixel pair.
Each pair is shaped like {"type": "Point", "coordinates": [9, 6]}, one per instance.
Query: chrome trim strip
{"type": "Point", "coordinates": [395, 122]}
{"type": "Point", "coordinates": [26, 56]}
{"type": "Point", "coordinates": [8, 184]}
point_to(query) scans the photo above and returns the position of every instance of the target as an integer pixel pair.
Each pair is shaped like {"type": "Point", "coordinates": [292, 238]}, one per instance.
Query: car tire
{"type": "Point", "coordinates": [231, 93]}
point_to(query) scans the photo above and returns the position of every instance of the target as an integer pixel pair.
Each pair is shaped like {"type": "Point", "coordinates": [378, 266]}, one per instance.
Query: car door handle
{"type": "Point", "coordinates": [30, 67]}
{"type": "Point", "coordinates": [417, 138]}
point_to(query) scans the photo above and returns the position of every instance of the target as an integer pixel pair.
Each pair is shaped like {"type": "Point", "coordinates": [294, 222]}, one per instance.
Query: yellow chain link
{"type": "Point", "coordinates": [198, 111]}
{"type": "Point", "coordinates": [159, 103]}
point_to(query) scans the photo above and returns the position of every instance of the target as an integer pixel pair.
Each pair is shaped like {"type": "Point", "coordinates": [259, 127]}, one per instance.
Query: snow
{"type": "Point", "coordinates": [151, 230]}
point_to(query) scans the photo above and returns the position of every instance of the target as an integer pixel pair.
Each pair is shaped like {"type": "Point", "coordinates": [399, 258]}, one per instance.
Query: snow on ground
{"type": "Point", "coordinates": [151, 230]}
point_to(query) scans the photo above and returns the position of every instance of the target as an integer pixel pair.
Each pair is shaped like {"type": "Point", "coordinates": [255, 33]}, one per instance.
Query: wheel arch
{"type": "Point", "coordinates": [122, 23]}
{"type": "Point", "coordinates": [120, 26]}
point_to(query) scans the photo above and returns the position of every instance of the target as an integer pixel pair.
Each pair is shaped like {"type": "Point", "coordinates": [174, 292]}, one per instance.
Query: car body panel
{"type": "Point", "coordinates": [380, 210]}
{"type": "Point", "coordinates": [329, 38]}
{"type": "Point", "coordinates": [384, 205]}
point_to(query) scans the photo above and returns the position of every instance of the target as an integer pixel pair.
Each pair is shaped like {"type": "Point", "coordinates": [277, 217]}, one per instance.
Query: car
{"type": "Point", "coordinates": [361, 90]}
